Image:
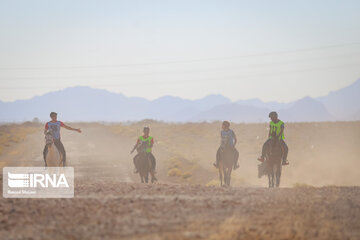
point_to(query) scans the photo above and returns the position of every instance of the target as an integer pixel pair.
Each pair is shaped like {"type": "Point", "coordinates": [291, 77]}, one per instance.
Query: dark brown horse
{"type": "Point", "coordinates": [226, 164]}
{"type": "Point", "coordinates": [273, 163]}
{"type": "Point", "coordinates": [144, 166]}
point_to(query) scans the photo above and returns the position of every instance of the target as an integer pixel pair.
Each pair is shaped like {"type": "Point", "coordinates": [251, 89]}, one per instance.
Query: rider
{"type": "Point", "coordinates": [276, 128]}
{"type": "Point", "coordinates": [227, 137]}
{"type": "Point", "coordinates": [53, 128]}
{"type": "Point", "coordinates": [147, 143]}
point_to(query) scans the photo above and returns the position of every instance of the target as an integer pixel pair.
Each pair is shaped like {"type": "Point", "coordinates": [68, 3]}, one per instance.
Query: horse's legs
{"type": "Point", "coordinates": [45, 153]}
{"type": "Point", "coordinates": [153, 178]}
{"type": "Point", "coordinates": [278, 174]}
{"type": "Point", "coordinates": [274, 173]}
{"type": "Point", "coordinates": [147, 177]}
{"type": "Point", "coordinates": [229, 176]}
{"type": "Point", "coordinates": [220, 174]}
{"type": "Point", "coordinates": [271, 176]}
{"type": "Point", "coordinates": [141, 178]}
{"type": "Point", "coordinates": [226, 176]}
{"type": "Point", "coordinates": [150, 170]}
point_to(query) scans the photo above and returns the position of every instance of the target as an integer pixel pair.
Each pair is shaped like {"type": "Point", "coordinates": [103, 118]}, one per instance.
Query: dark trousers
{"type": "Point", "coordinates": [219, 152]}
{"type": "Point", "coordinates": [152, 159]}
{"type": "Point", "coordinates": [267, 148]}
{"type": "Point", "coordinates": [59, 146]}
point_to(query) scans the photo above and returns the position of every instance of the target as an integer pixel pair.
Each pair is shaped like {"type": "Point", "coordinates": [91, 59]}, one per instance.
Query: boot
{"type": "Point", "coordinates": [236, 166]}
{"type": "Point", "coordinates": [285, 162]}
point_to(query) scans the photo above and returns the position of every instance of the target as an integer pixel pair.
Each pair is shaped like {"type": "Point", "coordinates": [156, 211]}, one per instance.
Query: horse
{"type": "Point", "coordinates": [53, 157]}
{"type": "Point", "coordinates": [273, 163]}
{"type": "Point", "coordinates": [144, 166]}
{"type": "Point", "coordinates": [226, 164]}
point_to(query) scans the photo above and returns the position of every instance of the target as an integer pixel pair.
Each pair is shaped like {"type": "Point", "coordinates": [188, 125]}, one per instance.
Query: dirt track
{"type": "Point", "coordinates": [114, 210]}
{"type": "Point", "coordinates": [109, 205]}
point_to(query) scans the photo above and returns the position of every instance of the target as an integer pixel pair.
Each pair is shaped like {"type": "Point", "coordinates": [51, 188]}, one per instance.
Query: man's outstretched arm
{"type": "Point", "coordinates": [70, 128]}
{"type": "Point", "coordinates": [136, 145]}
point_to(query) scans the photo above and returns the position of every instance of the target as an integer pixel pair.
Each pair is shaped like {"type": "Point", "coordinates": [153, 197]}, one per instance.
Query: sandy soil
{"type": "Point", "coordinates": [115, 210]}
{"type": "Point", "coordinates": [109, 202]}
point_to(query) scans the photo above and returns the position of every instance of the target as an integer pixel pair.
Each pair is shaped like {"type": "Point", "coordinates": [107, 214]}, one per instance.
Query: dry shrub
{"type": "Point", "coordinates": [213, 183]}
{"type": "Point", "coordinates": [187, 175]}
{"type": "Point", "coordinates": [14, 133]}
{"type": "Point", "coordinates": [174, 172]}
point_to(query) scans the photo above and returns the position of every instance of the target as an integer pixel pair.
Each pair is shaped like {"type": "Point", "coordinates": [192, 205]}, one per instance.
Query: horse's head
{"type": "Point", "coordinates": [273, 135]}
{"type": "Point", "coordinates": [274, 140]}
{"type": "Point", "coordinates": [142, 148]}
{"type": "Point", "coordinates": [49, 139]}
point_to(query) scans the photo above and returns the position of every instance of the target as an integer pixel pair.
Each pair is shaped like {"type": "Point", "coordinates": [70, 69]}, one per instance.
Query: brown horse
{"type": "Point", "coordinates": [272, 164]}
{"type": "Point", "coordinates": [53, 157]}
{"type": "Point", "coordinates": [226, 164]}
{"type": "Point", "coordinates": [144, 166]}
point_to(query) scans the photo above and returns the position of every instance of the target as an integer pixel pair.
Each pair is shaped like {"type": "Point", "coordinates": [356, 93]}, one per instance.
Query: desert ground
{"type": "Point", "coordinates": [319, 196]}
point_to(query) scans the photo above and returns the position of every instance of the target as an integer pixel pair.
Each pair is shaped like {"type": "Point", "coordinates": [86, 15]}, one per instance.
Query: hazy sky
{"type": "Point", "coordinates": [272, 50]}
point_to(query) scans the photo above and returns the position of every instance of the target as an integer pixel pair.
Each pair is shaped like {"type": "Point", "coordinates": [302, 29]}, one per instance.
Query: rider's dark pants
{"type": "Point", "coordinates": [152, 159]}
{"type": "Point", "coordinates": [219, 152]}
{"type": "Point", "coordinates": [267, 148]}
{"type": "Point", "coordinates": [59, 146]}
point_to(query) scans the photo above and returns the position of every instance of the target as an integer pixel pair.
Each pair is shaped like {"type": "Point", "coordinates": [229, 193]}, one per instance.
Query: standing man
{"type": "Point", "coordinates": [276, 129]}
{"type": "Point", "coordinates": [53, 127]}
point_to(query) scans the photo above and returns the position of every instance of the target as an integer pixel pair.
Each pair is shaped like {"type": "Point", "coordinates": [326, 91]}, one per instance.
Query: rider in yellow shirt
{"type": "Point", "coordinates": [145, 143]}
{"type": "Point", "coordinates": [276, 128]}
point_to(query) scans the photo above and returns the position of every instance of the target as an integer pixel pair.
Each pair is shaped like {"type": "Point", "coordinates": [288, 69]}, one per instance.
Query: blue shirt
{"type": "Point", "coordinates": [54, 128]}
{"type": "Point", "coordinates": [227, 138]}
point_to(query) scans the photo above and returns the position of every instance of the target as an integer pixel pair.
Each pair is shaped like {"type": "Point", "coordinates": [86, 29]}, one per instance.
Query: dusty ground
{"type": "Point", "coordinates": [320, 154]}
{"type": "Point", "coordinates": [115, 210]}
{"type": "Point", "coordinates": [110, 204]}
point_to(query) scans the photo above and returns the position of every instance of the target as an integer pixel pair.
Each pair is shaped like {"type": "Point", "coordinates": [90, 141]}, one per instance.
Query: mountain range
{"type": "Point", "coordinates": [90, 104]}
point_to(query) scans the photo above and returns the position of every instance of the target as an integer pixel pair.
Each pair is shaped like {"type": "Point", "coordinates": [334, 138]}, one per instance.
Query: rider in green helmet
{"type": "Point", "coordinates": [276, 129]}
